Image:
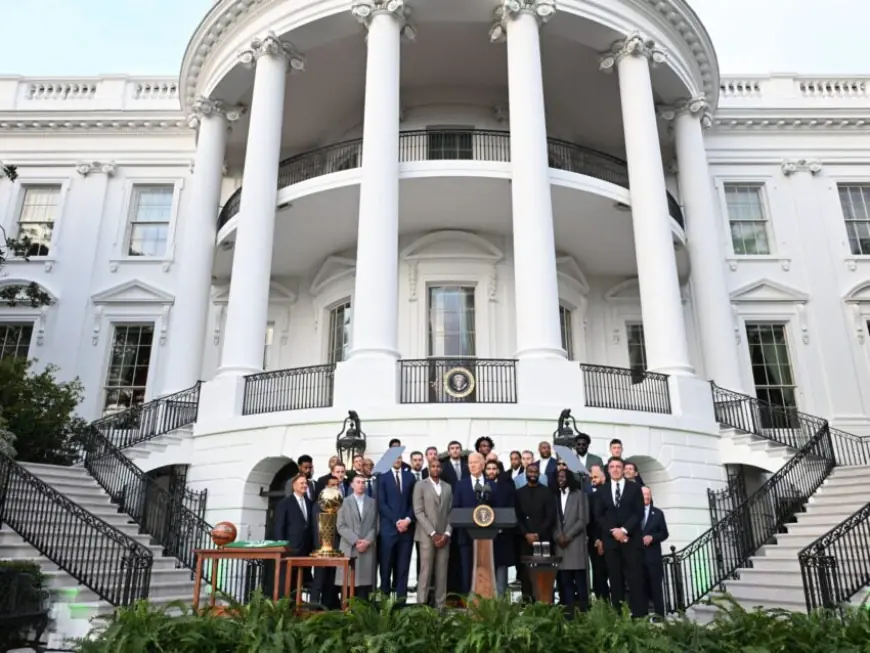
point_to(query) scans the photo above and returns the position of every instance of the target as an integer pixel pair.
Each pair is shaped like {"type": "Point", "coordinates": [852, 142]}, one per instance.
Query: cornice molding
{"type": "Point", "coordinates": [771, 120]}
{"type": "Point", "coordinates": [542, 10]}
{"type": "Point", "coordinates": [116, 123]}
{"type": "Point", "coordinates": [633, 45]}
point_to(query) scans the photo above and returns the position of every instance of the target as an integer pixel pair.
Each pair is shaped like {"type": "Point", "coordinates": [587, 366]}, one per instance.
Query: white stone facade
{"type": "Point", "coordinates": [512, 181]}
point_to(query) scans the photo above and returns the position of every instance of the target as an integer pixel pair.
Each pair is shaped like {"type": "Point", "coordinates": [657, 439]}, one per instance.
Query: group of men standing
{"type": "Point", "coordinates": [600, 520]}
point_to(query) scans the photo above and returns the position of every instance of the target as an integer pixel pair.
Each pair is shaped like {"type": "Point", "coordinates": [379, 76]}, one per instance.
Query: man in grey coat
{"type": "Point", "coordinates": [572, 517]}
{"type": "Point", "coordinates": [433, 501]}
{"type": "Point", "coordinates": [357, 526]}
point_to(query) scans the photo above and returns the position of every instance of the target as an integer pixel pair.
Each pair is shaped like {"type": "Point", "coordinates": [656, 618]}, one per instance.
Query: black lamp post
{"type": "Point", "coordinates": [566, 434]}
{"type": "Point", "coordinates": [351, 440]}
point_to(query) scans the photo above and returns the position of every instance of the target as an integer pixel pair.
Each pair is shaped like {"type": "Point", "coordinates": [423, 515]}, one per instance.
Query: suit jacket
{"type": "Point", "coordinates": [592, 459]}
{"type": "Point", "coordinates": [572, 524]}
{"type": "Point", "coordinates": [628, 515]}
{"type": "Point", "coordinates": [291, 525]}
{"type": "Point", "coordinates": [657, 527]}
{"type": "Point", "coordinates": [432, 511]}
{"type": "Point", "coordinates": [548, 469]}
{"type": "Point", "coordinates": [536, 512]}
{"type": "Point", "coordinates": [504, 496]}
{"type": "Point", "coordinates": [449, 474]}
{"type": "Point", "coordinates": [593, 496]}
{"type": "Point", "coordinates": [351, 527]}
{"type": "Point", "coordinates": [394, 505]}
{"type": "Point", "coordinates": [465, 497]}
{"type": "Point", "coordinates": [424, 473]}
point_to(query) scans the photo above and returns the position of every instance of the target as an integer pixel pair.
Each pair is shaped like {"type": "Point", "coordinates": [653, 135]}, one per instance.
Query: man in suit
{"type": "Point", "coordinates": [371, 486]}
{"type": "Point", "coordinates": [357, 525]}
{"type": "Point", "coordinates": [595, 544]}
{"type": "Point", "coordinates": [323, 589]}
{"type": "Point", "coordinates": [536, 516]}
{"type": "Point", "coordinates": [619, 515]}
{"type": "Point", "coordinates": [581, 448]}
{"type": "Point", "coordinates": [396, 537]}
{"type": "Point", "coordinates": [417, 465]}
{"type": "Point", "coordinates": [396, 442]}
{"type": "Point", "coordinates": [465, 495]}
{"type": "Point", "coordinates": [454, 468]}
{"type": "Point", "coordinates": [516, 465]}
{"type": "Point", "coordinates": [339, 472]}
{"type": "Point", "coordinates": [306, 468]}
{"type": "Point", "coordinates": [528, 458]}
{"type": "Point", "coordinates": [294, 522]}
{"type": "Point", "coordinates": [485, 446]}
{"type": "Point", "coordinates": [357, 467]}
{"type": "Point", "coordinates": [433, 502]}
{"type": "Point", "coordinates": [546, 463]}
{"type": "Point", "coordinates": [321, 482]}
{"type": "Point", "coordinates": [654, 529]}
{"type": "Point", "coordinates": [631, 473]}
{"type": "Point", "coordinates": [572, 510]}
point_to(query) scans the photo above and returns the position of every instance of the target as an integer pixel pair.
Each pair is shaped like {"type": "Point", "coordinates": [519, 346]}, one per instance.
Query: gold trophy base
{"type": "Point", "coordinates": [327, 552]}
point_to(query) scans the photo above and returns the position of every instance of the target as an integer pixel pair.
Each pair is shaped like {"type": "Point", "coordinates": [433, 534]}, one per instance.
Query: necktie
{"type": "Point", "coordinates": [369, 486]}
{"type": "Point", "coordinates": [302, 508]}
{"type": "Point", "coordinates": [417, 475]}
{"type": "Point", "coordinates": [618, 495]}
{"type": "Point", "coordinates": [359, 504]}
{"type": "Point", "coordinates": [399, 482]}
{"type": "Point", "coordinates": [645, 517]}
{"type": "Point", "coordinates": [477, 486]}
{"type": "Point", "coordinates": [458, 469]}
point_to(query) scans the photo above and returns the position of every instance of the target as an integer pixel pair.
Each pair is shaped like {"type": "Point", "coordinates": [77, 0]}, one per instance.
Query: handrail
{"type": "Point", "coordinates": [837, 565]}
{"type": "Point", "coordinates": [162, 515]}
{"type": "Point", "coordinates": [296, 388]}
{"type": "Point", "coordinates": [448, 144]}
{"type": "Point", "coordinates": [625, 389]}
{"type": "Point", "coordinates": [98, 555]}
{"type": "Point", "coordinates": [152, 419]}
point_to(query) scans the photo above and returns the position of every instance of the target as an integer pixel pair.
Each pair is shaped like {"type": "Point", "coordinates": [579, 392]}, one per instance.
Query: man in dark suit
{"type": "Point", "coordinates": [306, 467]}
{"type": "Point", "coordinates": [596, 545]}
{"type": "Point", "coordinates": [546, 463]}
{"type": "Point", "coordinates": [357, 467]}
{"type": "Point", "coordinates": [338, 472]}
{"type": "Point", "coordinates": [465, 495]}
{"type": "Point", "coordinates": [294, 522]}
{"type": "Point", "coordinates": [396, 534]}
{"type": "Point", "coordinates": [655, 531]}
{"type": "Point", "coordinates": [619, 516]}
{"type": "Point", "coordinates": [516, 467]}
{"type": "Point", "coordinates": [396, 442]}
{"type": "Point", "coordinates": [631, 473]}
{"type": "Point", "coordinates": [321, 482]}
{"type": "Point", "coordinates": [581, 448]}
{"type": "Point", "coordinates": [454, 468]}
{"type": "Point", "coordinates": [536, 517]}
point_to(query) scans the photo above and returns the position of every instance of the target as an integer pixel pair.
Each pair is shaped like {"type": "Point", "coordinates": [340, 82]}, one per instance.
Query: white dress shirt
{"type": "Point", "coordinates": [564, 498]}
{"type": "Point", "coordinates": [437, 486]}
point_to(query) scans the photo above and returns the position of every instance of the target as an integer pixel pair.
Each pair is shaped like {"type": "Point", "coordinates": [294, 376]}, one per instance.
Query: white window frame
{"type": "Point", "coordinates": [327, 327]}
{"type": "Point", "coordinates": [122, 233]}
{"type": "Point", "coordinates": [17, 205]}
{"type": "Point", "coordinates": [331, 286]}
{"type": "Point", "coordinates": [573, 291]}
{"type": "Point", "coordinates": [21, 320]}
{"type": "Point", "coordinates": [131, 319]}
{"type": "Point", "coordinates": [24, 313]}
{"type": "Point", "coordinates": [835, 212]}
{"type": "Point", "coordinates": [627, 325]}
{"type": "Point", "coordinates": [764, 198]}
{"type": "Point", "coordinates": [788, 328]}
{"type": "Point", "coordinates": [623, 301]}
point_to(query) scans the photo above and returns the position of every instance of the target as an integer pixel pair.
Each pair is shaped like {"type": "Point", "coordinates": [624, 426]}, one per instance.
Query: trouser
{"type": "Point", "coordinates": [625, 567]}
{"type": "Point", "coordinates": [574, 588]}
{"type": "Point", "coordinates": [394, 555]}
{"type": "Point", "coordinates": [466, 561]}
{"type": "Point", "coordinates": [653, 585]}
{"type": "Point", "coordinates": [323, 588]}
{"type": "Point", "coordinates": [599, 573]}
{"type": "Point", "coordinates": [434, 562]}
{"type": "Point", "coordinates": [501, 582]}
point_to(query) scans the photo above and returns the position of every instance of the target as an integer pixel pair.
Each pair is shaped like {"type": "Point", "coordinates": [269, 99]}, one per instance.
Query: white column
{"type": "Point", "coordinates": [535, 277]}
{"type": "Point", "coordinates": [248, 305]}
{"type": "Point", "coordinates": [197, 232]}
{"type": "Point", "coordinates": [375, 299]}
{"type": "Point", "coordinates": [712, 304]}
{"type": "Point", "coordinates": [667, 350]}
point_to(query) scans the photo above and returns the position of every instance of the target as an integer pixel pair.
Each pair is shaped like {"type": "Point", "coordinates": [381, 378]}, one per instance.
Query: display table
{"type": "Point", "coordinates": [542, 570]}
{"type": "Point", "coordinates": [348, 585]}
{"type": "Point", "coordinates": [236, 551]}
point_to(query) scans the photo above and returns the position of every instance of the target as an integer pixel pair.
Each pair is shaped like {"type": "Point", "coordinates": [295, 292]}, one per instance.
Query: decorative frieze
{"type": "Point", "coordinates": [272, 46]}
{"type": "Point", "coordinates": [543, 10]}
{"type": "Point", "coordinates": [205, 107]}
{"type": "Point", "coordinates": [791, 166]}
{"type": "Point", "coordinates": [696, 106]}
{"type": "Point", "coordinates": [85, 168]}
{"type": "Point", "coordinates": [633, 45]}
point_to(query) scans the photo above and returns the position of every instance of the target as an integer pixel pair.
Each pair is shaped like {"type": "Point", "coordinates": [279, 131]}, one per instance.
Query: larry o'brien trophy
{"type": "Point", "coordinates": [329, 502]}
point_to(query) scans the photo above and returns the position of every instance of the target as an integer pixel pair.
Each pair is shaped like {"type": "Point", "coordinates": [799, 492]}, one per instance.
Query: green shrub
{"type": "Point", "coordinates": [490, 627]}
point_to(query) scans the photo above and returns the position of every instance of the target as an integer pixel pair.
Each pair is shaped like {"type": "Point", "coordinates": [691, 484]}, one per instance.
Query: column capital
{"type": "Point", "coordinates": [791, 166]}
{"type": "Point", "coordinates": [365, 10]}
{"type": "Point", "coordinates": [633, 45]}
{"type": "Point", "coordinates": [542, 10]}
{"type": "Point", "coordinates": [697, 107]}
{"type": "Point", "coordinates": [271, 46]}
{"type": "Point", "coordinates": [204, 107]}
{"type": "Point", "coordinates": [85, 168]}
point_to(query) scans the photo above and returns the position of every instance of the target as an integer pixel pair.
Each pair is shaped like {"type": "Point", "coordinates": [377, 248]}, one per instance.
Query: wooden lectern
{"type": "Point", "coordinates": [482, 524]}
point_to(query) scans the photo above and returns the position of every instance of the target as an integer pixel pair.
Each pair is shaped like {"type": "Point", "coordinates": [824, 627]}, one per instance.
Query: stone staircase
{"type": "Point", "coordinates": [774, 580]}
{"type": "Point", "coordinates": [169, 582]}
{"type": "Point", "coordinates": [740, 448]}
{"type": "Point", "coordinates": [173, 448]}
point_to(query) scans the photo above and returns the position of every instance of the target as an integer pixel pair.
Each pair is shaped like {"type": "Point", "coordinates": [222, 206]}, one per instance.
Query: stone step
{"type": "Point", "coordinates": [820, 518]}
{"type": "Point", "coordinates": [837, 490]}
{"type": "Point", "coordinates": [108, 514]}
{"type": "Point", "coordinates": [58, 472]}
{"type": "Point", "coordinates": [47, 565]}
{"type": "Point", "coordinates": [822, 502]}
{"type": "Point", "coordinates": [811, 531]}
{"type": "Point", "coordinates": [861, 471]}
{"type": "Point", "coordinates": [90, 501]}
{"type": "Point", "coordinates": [749, 595]}
{"type": "Point", "coordinates": [835, 480]}
{"type": "Point", "coordinates": [792, 579]}
{"type": "Point", "coordinates": [11, 549]}
{"type": "Point", "coordinates": [163, 586]}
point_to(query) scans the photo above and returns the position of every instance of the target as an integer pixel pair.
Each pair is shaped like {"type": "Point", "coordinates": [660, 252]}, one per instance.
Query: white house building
{"type": "Point", "coordinates": [341, 205]}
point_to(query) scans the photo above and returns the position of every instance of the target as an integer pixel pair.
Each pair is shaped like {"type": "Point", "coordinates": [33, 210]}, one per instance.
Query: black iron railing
{"type": "Point", "coordinates": [729, 498]}
{"type": "Point", "coordinates": [837, 565]}
{"type": "Point", "coordinates": [781, 424]}
{"type": "Point", "coordinates": [162, 515]}
{"type": "Point", "coordinates": [458, 381]}
{"type": "Point", "coordinates": [448, 144]}
{"type": "Point", "coordinates": [151, 419]}
{"type": "Point", "coordinates": [850, 449]}
{"type": "Point", "coordinates": [102, 558]}
{"type": "Point", "coordinates": [294, 389]}
{"type": "Point", "coordinates": [625, 389]}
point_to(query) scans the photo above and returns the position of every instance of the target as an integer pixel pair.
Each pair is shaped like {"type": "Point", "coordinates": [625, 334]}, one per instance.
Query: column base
{"type": "Point", "coordinates": [692, 397]}
{"type": "Point", "coordinates": [675, 370]}
{"type": "Point", "coordinates": [541, 353]}
{"type": "Point", "coordinates": [231, 371]}
{"type": "Point", "coordinates": [553, 382]}
{"type": "Point", "coordinates": [366, 381]}
{"type": "Point", "coordinates": [221, 399]}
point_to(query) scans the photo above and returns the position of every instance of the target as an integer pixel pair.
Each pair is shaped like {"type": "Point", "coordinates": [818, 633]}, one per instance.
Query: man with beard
{"type": "Point", "coordinates": [536, 516]}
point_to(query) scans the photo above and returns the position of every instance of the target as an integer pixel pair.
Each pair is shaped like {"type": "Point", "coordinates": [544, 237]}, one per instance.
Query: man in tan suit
{"type": "Point", "coordinates": [433, 501]}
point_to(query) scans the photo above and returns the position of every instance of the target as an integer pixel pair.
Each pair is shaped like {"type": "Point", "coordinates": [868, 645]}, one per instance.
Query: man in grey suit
{"type": "Point", "coordinates": [357, 526]}
{"type": "Point", "coordinates": [433, 501]}
{"type": "Point", "coordinates": [572, 516]}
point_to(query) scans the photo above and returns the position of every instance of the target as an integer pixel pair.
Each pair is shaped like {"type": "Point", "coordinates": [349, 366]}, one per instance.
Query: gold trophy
{"type": "Point", "coordinates": [329, 501]}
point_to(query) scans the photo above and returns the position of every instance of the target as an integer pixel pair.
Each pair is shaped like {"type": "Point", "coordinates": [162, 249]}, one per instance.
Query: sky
{"type": "Point", "coordinates": [138, 37]}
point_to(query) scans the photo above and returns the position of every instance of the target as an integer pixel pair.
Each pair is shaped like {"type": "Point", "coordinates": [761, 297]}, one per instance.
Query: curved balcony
{"type": "Point", "coordinates": [448, 144]}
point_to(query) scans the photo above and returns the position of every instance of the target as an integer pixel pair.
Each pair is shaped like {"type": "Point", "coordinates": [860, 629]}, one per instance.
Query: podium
{"type": "Point", "coordinates": [483, 524]}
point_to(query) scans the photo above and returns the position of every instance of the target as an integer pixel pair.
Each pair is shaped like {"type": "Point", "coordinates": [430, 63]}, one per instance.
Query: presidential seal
{"type": "Point", "coordinates": [459, 382]}
{"type": "Point", "coordinates": [483, 516]}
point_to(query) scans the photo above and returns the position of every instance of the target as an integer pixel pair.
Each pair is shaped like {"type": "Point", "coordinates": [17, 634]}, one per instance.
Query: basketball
{"type": "Point", "coordinates": [224, 533]}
